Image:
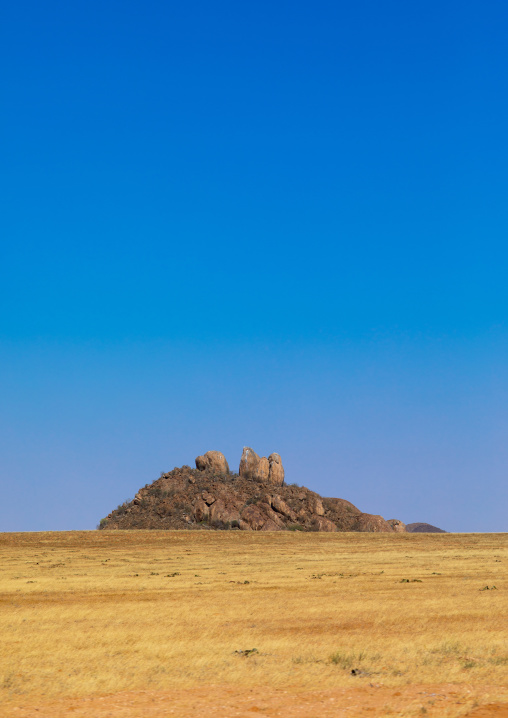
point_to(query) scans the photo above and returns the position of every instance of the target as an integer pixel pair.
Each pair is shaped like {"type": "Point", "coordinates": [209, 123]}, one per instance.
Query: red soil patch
{"type": "Point", "coordinates": [499, 710]}
{"type": "Point", "coordinates": [226, 701]}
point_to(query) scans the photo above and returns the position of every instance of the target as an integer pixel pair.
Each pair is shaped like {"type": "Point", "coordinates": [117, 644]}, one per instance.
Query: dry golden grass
{"type": "Point", "coordinates": [87, 613]}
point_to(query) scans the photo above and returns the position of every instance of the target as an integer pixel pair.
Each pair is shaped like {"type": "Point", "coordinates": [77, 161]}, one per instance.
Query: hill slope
{"type": "Point", "coordinates": [255, 499]}
{"type": "Point", "coordinates": [420, 528]}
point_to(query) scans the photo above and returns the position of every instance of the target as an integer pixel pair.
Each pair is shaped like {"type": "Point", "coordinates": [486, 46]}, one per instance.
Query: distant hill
{"type": "Point", "coordinates": [424, 529]}
{"type": "Point", "coordinates": [255, 499]}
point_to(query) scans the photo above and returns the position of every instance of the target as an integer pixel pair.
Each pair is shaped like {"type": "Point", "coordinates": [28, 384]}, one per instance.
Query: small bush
{"type": "Point", "coordinates": [451, 648]}
{"type": "Point", "coordinates": [221, 525]}
{"type": "Point", "coordinates": [253, 500]}
{"type": "Point", "coordinates": [183, 506]}
{"type": "Point", "coordinates": [122, 508]}
{"type": "Point", "coordinates": [347, 660]}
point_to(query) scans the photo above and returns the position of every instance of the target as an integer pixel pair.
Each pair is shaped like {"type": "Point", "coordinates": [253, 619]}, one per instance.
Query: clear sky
{"type": "Point", "coordinates": [275, 224]}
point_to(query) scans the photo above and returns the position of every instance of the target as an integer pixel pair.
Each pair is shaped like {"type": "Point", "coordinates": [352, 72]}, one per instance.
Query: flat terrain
{"type": "Point", "coordinates": [159, 623]}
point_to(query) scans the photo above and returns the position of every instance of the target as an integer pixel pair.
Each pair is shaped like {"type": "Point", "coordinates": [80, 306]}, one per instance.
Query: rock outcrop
{"type": "Point", "coordinates": [255, 499]}
{"type": "Point", "coordinates": [276, 472]}
{"type": "Point", "coordinates": [259, 468]}
{"type": "Point", "coordinates": [253, 467]}
{"type": "Point", "coordinates": [422, 528]}
{"type": "Point", "coordinates": [213, 461]}
{"type": "Point", "coordinates": [397, 526]}
{"type": "Point", "coordinates": [372, 522]}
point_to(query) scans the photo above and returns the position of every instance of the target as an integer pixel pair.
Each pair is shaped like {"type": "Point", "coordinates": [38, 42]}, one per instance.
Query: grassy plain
{"type": "Point", "coordinates": [88, 614]}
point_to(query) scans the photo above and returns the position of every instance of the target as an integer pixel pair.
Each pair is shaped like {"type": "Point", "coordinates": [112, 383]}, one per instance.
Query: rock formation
{"type": "Point", "coordinates": [213, 461]}
{"type": "Point", "coordinates": [422, 528]}
{"type": "Point", "coordinates": [255, 499]}
{"type": "Point", "coordinates": [397, 526]}
{"type": "Point", "coordinates": [276, 473]}
{"type": "Point", "coordinates": [253, 467]}
{"type": "Point", "coordinates": [265, 471]}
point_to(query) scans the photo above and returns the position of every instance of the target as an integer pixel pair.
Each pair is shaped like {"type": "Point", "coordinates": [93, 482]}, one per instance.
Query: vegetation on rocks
{"type": "Point", "coordinates": [211, 497]}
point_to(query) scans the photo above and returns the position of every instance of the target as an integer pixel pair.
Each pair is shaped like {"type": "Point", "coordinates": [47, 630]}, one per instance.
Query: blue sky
{"type": "Point", "coordinates": [274, 224]}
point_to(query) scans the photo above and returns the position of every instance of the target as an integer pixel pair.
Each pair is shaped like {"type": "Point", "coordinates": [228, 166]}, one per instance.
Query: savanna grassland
{"type": "Point", "coordinates": [146, 623]}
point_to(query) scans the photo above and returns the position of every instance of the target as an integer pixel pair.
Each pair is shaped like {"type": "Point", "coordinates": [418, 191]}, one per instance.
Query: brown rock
{"type": "Point", "coordinates": [397, 526]}
{"type": "Point", "coordinates": [213, 461]}
{"type": "Point", "coordinates": [253, 467]}
{"type": "Point", "coordinates": [371, 522]}
{"type": "Point", "coordinates": [253, 516]}
{"type": "Point", "coordinates": [281, 506]}
{"type": "Point", "coordinates": [321, 524]}
{"type": "Point", "coordinates": [201, 510]}
{"type": "Point", "coordinates": [276, 470]}
{"type": "Point", "coordinates": [270, 525]}
{"type": "Point", "coordinates": [208, 498]}
{"type": "Point", "coordinates": [272, 515]}
{"type": "Point", "coordinates": [225, 509]}
{"type": "Point", "coordinates": [218, 511]}
{"type": "Point", "coordinates": [316, 506]}
{"type": "Point", "coordinates": [263, 470]}
{"type": "Point", "coordinates": [258, 468]}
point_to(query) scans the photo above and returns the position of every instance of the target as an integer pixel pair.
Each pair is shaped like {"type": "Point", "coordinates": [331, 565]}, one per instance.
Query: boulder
{"type": "Point", "coordinates": [372, 522]}
{"type": "Point", "coordinates": [254, 517]}
{"type": "Point", "coordinates": [254, 467]}
{"type": "Point", "coordinates": [259, 468]}
{"type": "Point", "coordinates": [276, 470]}
{"type": "Point", "coordinates": [321, 524]}
{"type": "Point", "coordinates": [270, 525]}
{"type": "Point", "coordinates": [282, 508]}
{"type": "Point", "coordinates": [201, 511]}
{"type": "Point", "coordinates": [397, 526]}
{"type": "Point", "coordinates": [263, 470]}
{"type": "Point", "coordinates": [271, 515]}
{"type": "Point", "coordinates": [213, 461]}
{"type": "Point", "coordinates": [316, 506]}
{"type": "Point", "coordinates": [220, 512]}
{"type": "Point", "coordinates": [208, 498]}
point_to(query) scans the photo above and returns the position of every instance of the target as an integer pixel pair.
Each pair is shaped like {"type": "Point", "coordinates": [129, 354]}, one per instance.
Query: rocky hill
{"type": "Point", "coordinates": [420, 528]}
{"type": "Point", "coordinates": [255, 499]}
